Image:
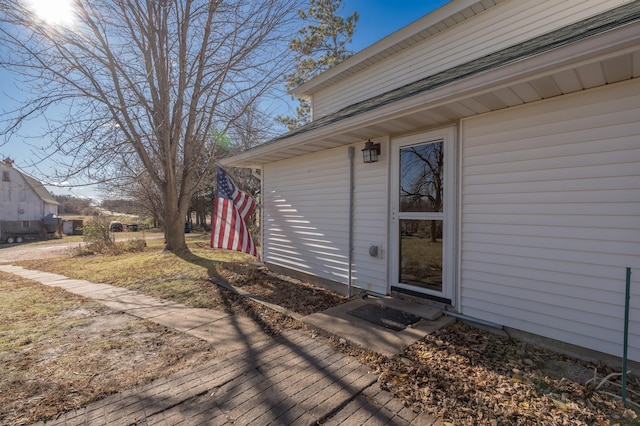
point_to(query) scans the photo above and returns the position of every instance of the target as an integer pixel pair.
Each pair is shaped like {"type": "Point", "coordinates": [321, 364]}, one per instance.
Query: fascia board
{"type": "Point", "coordinates": [305, 90]}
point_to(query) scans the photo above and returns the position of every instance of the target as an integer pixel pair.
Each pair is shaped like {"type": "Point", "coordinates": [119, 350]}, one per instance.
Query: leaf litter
{"type": "Point", "coordinates": [464, 375]}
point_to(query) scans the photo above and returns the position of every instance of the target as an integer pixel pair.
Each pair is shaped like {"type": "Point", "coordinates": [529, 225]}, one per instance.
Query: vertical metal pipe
{"type": "Point", "coordinates": [260, 213]}
{"type": "Point", "coordinates": [351, 215]}
{"type": "Point", "coordinates": [627, 297]}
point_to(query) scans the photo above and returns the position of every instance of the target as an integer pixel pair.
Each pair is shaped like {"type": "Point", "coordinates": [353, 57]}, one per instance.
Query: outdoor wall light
{"type": "Point", "coordinates": [371, 152]}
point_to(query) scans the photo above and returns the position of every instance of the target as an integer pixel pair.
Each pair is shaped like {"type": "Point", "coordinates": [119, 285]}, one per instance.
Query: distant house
{"type": "Point", "coordinates": [24, 202]}
{"type": "Point", "coordinates": [507, 183]}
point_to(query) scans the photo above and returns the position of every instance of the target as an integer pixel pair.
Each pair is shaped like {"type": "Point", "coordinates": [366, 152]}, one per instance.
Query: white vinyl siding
{"type": "Point", "coordinates": [306, 216]}
{"type": "Point", "coordinates": [18, 201]}
{"type": "Point", "coordinates": [504, 25]}
{"type": "Point", "coordinates": [370, 221]}
{"type": "Point", "coordinates": [551, 217]}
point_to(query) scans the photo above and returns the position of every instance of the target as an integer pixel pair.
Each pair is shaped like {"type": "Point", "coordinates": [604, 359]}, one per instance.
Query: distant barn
{"type": "Point", "coordinates": [27, 208]}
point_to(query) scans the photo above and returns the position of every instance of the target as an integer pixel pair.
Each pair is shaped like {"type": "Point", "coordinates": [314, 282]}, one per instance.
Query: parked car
{"type": "Point", "coordinates": [116, 226]}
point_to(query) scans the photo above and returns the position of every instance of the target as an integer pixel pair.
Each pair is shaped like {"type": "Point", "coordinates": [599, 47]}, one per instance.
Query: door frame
{"type": "Point", "coordinates": [448, 295]}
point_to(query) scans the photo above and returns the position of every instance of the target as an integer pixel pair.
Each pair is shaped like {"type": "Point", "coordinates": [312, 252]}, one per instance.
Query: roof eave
{"type": "Point", "coordinates": [618, 33]}
{"type": "Point", "coordinates": [386, 44]}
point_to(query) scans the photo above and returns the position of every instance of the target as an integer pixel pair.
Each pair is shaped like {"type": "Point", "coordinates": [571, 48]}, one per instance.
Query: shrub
{"type": "Point", "coordinates": [111, 249]}
{"type": "Point", "coordinates": [132, 246]}
{"type": "Point", "coordinates": [96, 231]}
{"type": "Point", "coordinates": [100, 240]}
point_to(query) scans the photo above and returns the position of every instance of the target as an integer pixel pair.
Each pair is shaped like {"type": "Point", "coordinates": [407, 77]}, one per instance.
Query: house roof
{"type": "Point", "coordinates": [572, 46]}
{"type": "Point", "coordinates": [37, 186]}
{"type": "Point", "coordinates": [441, 19]}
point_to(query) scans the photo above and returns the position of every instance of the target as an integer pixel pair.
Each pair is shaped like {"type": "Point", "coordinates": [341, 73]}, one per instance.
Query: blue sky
{"type": "Point", "coordinates": [378, 19]}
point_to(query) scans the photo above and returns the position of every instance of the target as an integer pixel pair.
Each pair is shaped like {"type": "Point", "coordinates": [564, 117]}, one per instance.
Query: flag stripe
{"type": "Point", "coordinates": [232, 208]}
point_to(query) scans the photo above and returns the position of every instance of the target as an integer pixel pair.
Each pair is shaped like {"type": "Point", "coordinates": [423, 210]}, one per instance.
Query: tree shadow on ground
{"type": "Point", "coordinates": [279, 400]}
{"type": "Point", "coordinates": [244, 276]}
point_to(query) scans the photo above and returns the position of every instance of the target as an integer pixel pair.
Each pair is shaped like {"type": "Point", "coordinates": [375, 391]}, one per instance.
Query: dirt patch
{"type": "Point", "coordinates": [59, 351]}
{"type": "Point", "coordinates": [559, 369]}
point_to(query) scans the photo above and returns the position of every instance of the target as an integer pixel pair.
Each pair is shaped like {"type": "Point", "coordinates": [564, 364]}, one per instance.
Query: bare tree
{"type": "Point", "coordinates": [252, 128]}
{"type": "Point", "coordinates": [422, 181]}
{"type": "Point", "coordinates": [145, 81]}
{"type": "Point", "coordinates": [139, 188]}
{"type": "Point", "coordinates": [133, 182]}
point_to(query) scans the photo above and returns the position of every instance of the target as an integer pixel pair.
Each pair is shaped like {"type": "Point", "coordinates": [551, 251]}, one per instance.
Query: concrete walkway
{"type": "Point", "coordinates": [294, 379]}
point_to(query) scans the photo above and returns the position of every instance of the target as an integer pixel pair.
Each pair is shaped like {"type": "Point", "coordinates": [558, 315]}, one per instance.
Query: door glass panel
{"type": "Point", "coordinates": [422, 177]}
{"type": "Point", "coordinates": [421, 253]}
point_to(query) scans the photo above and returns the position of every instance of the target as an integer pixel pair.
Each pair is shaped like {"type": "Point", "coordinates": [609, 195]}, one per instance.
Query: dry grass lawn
{"type": "Point", "coordinates": [186, 278]}
{"type": "Point", "coordinates": [59, 351]}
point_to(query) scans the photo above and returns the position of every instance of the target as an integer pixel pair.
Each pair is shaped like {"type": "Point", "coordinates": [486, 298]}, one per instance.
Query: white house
{"type": "Point", "coordinates": [507, 187]}
{"type": "Point", "coordinates": [24, 202]}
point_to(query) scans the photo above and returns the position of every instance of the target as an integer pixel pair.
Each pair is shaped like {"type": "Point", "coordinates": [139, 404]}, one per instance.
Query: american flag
{"type": "Point", "coordinates": [231, 210]}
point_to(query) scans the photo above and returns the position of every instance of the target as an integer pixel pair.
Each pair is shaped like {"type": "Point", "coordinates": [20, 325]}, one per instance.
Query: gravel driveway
{"type": "Point", "coordinates": [27, 251]}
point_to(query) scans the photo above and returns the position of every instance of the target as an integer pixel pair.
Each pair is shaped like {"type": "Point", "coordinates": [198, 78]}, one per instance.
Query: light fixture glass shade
{"type": "Point", "coordinates": [370, 152]}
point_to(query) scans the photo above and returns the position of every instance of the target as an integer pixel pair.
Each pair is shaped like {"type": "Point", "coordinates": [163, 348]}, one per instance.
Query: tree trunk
{"type": "Point", "coordinates": [173, 223]}
{"type": "Point", "coordinates": [203, 220]}
{"type": "Point", "coordinates": [174, 233]}
{"type": "Point", "coordinates": [434, 231]}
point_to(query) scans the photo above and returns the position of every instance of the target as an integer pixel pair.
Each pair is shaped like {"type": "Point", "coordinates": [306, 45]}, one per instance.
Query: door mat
{"type": "Point", "coordinates": [384, 317]}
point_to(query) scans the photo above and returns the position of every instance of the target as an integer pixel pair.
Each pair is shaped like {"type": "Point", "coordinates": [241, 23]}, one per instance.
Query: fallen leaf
{"type": "Point", "coordinates": [560, 405]}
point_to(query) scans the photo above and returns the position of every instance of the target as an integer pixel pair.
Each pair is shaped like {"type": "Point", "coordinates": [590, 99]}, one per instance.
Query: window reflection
{"type": "Point", "coordinates": [421, 253]}
{"type": "Point", "coordinates": [422, 178]}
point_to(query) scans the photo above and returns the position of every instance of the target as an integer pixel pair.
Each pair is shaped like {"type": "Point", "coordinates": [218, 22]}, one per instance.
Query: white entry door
{"type": "Point", "coordinates": [423, 215]}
